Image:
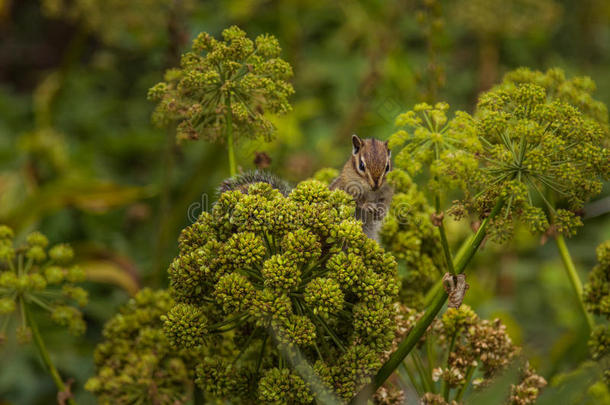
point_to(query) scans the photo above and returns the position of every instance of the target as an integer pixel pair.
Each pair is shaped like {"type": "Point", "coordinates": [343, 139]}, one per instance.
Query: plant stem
{"type": "Point", "coordinates": [42, 349]}
{"type": "Point", "coordinates": [462, 390]}
{"type": "Point", "coordinates": [441, 226]}
{"type": "Point", "coordinates": [230, 146]}
{"type": "Point", "coordinates": [445, 385]}
{"type": "Point", "coordinates": [409, 342]}
{"type": "Point", "coordinates": [574, 278]}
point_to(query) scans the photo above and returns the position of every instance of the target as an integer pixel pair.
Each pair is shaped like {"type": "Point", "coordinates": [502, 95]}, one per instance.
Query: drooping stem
{"type": "Point", "coordinates": [230, 143]}
{"type": "Point", "coordinates": [574, 278]}
{"type": "Point", "coordinates": [405, 347]}
{"type": "Point", "coordinates": [44, 354]}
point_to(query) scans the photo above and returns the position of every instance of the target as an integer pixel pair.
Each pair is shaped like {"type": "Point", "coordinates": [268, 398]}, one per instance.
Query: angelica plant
{"type": "Point", "coordinates": [597, 301]}
{"type": "Point", "coordinates": [538, 160]}
{"type": "Point", "coordinates": [460, 355]}
{"type": "Point", "coordinates": [287, 295]}
{"type": "Point", "coordinates": [225, 88]}
{"type": "Point", "coordinates": [36, 278]}
{"type": "Point", "coordinates": [135, 363]}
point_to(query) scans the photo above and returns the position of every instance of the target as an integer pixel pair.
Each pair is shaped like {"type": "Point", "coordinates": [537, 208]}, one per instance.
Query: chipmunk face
{"type": "Point", "coordinates": [371, 160]}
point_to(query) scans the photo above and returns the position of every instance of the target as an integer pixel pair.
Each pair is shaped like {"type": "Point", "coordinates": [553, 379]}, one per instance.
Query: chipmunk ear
{"type": "Point", "coordinates": [357, 143]}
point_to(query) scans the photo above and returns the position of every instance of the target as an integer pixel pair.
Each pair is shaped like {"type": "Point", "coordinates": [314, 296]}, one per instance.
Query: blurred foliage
{"type": "Point", "coordinates": [81, 161]}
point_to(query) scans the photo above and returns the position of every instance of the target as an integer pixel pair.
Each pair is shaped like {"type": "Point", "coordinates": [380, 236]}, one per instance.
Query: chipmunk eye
{"type": "Point", "coordinates": [361, 166]}
{"type": "Point", "coordinates": [387, 167]}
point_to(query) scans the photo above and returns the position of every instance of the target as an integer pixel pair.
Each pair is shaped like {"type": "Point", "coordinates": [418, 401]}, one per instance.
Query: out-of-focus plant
{"type": "Point", "coordinates": [492, 20]}
{"type": "Point", "coordinates": [433, 25]}
{"type": "Point", "coordinates": [290, 298]}
{"type": "Point", "coordinates": [225, 88]}
{"type": "Point", "coordinates": [597, 301]}
{"type": "Point", "coordinates": [33, 277]}
{"type": "Point", "coordinates": [135, 363]}
{"type": "Point", "coordinates": [460, 355]}
{"type": "Point", "coordinates": [140, 23]}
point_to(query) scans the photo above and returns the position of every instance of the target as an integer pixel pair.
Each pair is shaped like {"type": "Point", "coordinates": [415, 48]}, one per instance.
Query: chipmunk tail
{"type": "Point", "coordinates": [241, 182]}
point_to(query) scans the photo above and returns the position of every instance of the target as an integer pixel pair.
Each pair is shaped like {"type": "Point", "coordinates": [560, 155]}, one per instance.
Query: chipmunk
{"type": "Point", "coordinates": [364, 178]}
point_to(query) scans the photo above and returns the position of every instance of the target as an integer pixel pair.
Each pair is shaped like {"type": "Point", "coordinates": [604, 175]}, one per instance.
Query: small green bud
{"type": "Point", "coordinates": [61, 254]}
{"type": "Point", "coordinates": [6, 233]}
{"type": "Point", "coordinates": [36, 253]}
{"type": "Point", "coordinates": [7, 306]}
{"type": "Point", "coordinates": [8, 279]}
{"type": "Point", "coordinates": [37, 239]}
{"type": "Point", "coordinates": [54, 274]}
{"type": "Point", "coordinates": [36, 282]}
{"type": "Point", "coordinates": [76, 275]}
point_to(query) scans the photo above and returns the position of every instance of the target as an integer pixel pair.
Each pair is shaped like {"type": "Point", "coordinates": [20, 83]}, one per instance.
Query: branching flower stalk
{"type": "Point", "coordinates": [223, 90]}
{"type": "Point", "coordinates": [29, 279]}
{"type": "Point", "coordinates": [46, 358]}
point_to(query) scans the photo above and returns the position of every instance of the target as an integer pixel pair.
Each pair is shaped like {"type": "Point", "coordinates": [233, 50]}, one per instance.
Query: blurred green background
{"type": "Point", "coordinates": [80, 160]}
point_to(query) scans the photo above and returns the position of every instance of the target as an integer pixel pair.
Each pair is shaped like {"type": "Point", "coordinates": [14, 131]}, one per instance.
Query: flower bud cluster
{"type": "Point", "coordinates": [596, 296]}
{"type": "Point", "coordinates": [542, 150]}
{"type": "Point", "coordinates": [136, 363]}
{"type": "Point", "coordinates": [233, 82]}
{"type": "Point", "coordinates": [271, 283]}
{"type": "Point", "coordinates": [475, 351]}
{"type": "Point", "coordinates": [32, 274]}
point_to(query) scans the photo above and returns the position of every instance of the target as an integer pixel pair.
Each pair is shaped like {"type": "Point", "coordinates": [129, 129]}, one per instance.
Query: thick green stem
{"type": "Point", "coordinates": [405, 347]}
{"type": "Point", "coordinates": [574, 278]}
{"type": "Point", "coordinates": [46, 359]}
{"type": "Point", "coordinates": [230, 143]}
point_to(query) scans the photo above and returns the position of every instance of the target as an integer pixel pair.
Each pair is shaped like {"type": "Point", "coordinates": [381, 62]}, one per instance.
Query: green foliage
{"type": "Point", "coordinates": [135, 363]}
{"type": "Point", "coordinates": [34, 276]}
{"type": "Point", "coordinates": [266, 281]}
{"type": "Point", "coordinates": [234, 83]}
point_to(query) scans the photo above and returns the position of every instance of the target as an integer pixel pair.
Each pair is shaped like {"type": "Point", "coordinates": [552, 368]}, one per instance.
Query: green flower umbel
{"type": "Point", "coordinates": [287, 293]}
{"type": "Point", "coordinates": [34, 277]}
{"type": "Point", "coordinates": [135, 363]}
{"type": "Point", "coordinates": [541, 155]}
{"type": "Point", "coordinates": [427, 139]}
{"type": "Point", "coordinates": [225, 83]}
